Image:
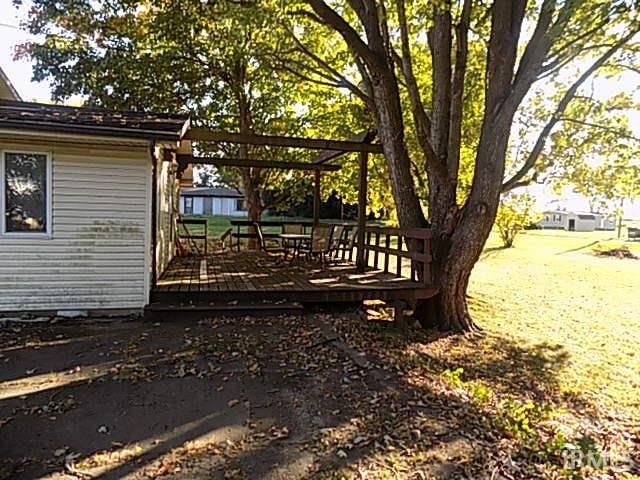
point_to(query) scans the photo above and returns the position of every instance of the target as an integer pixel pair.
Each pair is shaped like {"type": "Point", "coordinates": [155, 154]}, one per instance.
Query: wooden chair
{"type": "Point", "coordinates": [295, 228]}
{"type": "Point", "coordinates": [225, 237]}
{"type": "Point", "coordinates": [336, 240]}
{"type": "Point", "coordinates": [192, 237]}
{"type": "Point", "coordinates": [348, 242]}
{"type": "Point", "coordinates": [320, 243]}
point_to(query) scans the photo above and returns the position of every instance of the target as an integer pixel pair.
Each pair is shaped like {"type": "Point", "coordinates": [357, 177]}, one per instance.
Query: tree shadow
{"type": "Point", "coordinates": [272, 398]}
{"type": "Point", "coordinates": [491, 251]}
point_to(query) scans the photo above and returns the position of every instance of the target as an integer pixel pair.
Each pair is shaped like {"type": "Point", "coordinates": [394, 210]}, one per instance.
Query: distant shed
{"type": "Point", "coordinates": [578, 222]}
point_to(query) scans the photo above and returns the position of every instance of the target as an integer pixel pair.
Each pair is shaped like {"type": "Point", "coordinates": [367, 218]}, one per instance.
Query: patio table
{"type": "Point", "coordinates": [295, 240]}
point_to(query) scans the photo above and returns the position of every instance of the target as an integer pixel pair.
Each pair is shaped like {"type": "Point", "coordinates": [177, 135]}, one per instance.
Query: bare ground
{"type": "Point", "coordinates": [322, 396]}
{"type": "Point", "coordinates": [226, 398]}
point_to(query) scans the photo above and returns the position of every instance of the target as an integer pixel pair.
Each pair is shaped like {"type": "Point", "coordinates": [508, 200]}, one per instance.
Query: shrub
{"type": "Point", "coordinates": [515, 213]}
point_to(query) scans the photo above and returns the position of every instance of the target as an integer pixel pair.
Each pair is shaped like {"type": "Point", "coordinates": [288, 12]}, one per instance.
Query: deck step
{"type": "Point", "coordinates": [178, 311]}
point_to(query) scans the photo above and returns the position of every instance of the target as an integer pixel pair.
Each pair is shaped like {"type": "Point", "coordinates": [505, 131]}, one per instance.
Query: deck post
{"type": "Point", "coordinates": [362, 211]}
{"type": "Point", "coordinates": [316, 198]}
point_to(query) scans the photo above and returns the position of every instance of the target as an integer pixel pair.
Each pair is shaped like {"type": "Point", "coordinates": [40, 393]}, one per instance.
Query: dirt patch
{"type": "Point", "coordinates": [621, 252]}
{"type": "Point", "coordinates": [340, 396]}
{"type": "Point", "coordinates": [225, 398]}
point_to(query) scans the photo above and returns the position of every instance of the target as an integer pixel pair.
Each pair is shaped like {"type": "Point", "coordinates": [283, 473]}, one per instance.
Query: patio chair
{"type": "Point", "coordinates": [225, 238]}
{"type": "Point", "coordinates": [266, 246]}
{"type": "Point", "coordinates": [295, 228]}
{"type": "Point", "coordinates": [348, 242]}
{"type": "Point", "coordinates": [320, 243]}
{"type": "Point", "coordinates": [336, 240]}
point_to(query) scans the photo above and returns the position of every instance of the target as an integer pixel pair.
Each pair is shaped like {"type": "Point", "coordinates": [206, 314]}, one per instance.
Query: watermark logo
{"type": "Point", "coordinates": [574, 458]}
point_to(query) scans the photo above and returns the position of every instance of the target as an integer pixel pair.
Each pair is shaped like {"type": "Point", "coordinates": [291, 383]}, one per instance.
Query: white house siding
{"type": "Point", "coordinates": [96, 257]}
{"type": "Point", "coordinates": [222, 206]}
{"type": "Point", "coordinates": [167, 192]}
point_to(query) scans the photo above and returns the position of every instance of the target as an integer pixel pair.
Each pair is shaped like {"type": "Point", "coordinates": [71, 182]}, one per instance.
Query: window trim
{"type": "Point", "coordinates": [49, 199]}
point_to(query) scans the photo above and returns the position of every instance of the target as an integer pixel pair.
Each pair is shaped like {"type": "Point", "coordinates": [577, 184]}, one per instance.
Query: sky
{"type": "Point", "coordinates": [19, 72]}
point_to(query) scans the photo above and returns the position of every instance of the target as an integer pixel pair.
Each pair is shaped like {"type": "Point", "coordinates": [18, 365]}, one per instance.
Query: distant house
{"type": "Point", "coordinates": [574, 221]}
{"type": "Point", "coordinates": [212, 201]}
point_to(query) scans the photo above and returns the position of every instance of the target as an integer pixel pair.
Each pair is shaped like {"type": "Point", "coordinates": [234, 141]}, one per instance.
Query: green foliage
{"type": "Point", "coordinates": [523, 418]}
{"type": "Point", "coordinates": [296, 74]}
{"type": "Point", "coordinates": [220, 61]}
{"type": "Point", "coordinates": [480, 392]}
{"type": "Point", "coordinates": [515, 213]}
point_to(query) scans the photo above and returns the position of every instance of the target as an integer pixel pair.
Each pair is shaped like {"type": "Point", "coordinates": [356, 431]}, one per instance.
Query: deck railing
{"type": "Point", "coordinates": [403, 252]}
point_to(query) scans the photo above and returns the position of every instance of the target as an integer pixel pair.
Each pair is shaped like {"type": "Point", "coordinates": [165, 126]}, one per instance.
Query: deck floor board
{"type": "Point", "coordinates": [248, 271]}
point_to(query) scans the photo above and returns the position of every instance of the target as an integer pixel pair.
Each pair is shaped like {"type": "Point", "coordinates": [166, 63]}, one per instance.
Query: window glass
{"type": "Point", "coordinates": [188, 204]}
{"type": "Point", "coordinates": [25, 186]}
{"type": "Point", "coordinates": [239, 205]}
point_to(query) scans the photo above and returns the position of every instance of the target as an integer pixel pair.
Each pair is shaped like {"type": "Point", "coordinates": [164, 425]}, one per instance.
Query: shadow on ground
{"type": "Point", "coordinates": [281, 398]}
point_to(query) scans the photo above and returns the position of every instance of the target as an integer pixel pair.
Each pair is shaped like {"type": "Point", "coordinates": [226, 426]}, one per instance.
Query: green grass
{"type": "Point", "coordinates": [216, 225]}
{"type": "Point", "coordinates": [551, 289]}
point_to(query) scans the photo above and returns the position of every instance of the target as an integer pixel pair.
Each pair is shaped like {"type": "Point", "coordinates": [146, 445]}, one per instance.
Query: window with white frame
{"type": "Point", "coordinates": [26, 193]}
{"type": "Point", "coordinates": [188, 205]}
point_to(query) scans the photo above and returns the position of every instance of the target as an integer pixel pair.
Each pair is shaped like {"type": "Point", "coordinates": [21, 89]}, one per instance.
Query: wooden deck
{"type": "Point", "coordinates": [255, 276]}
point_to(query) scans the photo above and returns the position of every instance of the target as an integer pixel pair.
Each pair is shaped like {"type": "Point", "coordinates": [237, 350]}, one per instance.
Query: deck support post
{"type": "Point", "coordinates": [316, 198]}
{"type": "Point", "coordinates": [362, 210]}
{"type": "Point", "coordinates": [398, 314]}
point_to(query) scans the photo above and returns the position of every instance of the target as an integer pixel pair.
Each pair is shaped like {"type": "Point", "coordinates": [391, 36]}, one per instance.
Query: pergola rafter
{"type": "Point", "coordinates": [185, 159]}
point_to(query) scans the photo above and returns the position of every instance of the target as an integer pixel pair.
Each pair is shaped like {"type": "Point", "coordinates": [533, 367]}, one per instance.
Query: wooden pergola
{"type": "Point", "coordinates": [329, 150]}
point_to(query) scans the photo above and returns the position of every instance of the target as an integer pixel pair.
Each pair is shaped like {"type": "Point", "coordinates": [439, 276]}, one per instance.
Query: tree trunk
{"type": "Point", "coordinates": [459, 236]}
{"type": "Point", "coordinates": [250, 176]}
{"type": "Point", "coordinates": [391, 131]}
{"type": "Point", "coordinates": [453, 261]}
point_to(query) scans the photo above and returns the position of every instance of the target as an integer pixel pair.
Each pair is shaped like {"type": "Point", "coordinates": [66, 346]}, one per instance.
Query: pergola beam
{"type": "Point", "coordinates": [206, 135]}
{"type": "Point", "coordinates": [363, 138]}
{"type": "Point", "coordinates": [252, 163]}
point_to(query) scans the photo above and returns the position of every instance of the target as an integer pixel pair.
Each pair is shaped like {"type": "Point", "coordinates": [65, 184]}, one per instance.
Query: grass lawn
{"type": "Point", "coordinates": [552, 290]}
{"type": "Point", "coordinates": [216, 225]}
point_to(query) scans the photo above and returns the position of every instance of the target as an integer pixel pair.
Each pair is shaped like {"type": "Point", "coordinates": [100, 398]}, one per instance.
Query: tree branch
{"type": "Point", "coordinates": [342, 80]}
{"type": "Point", "coordinates": [562, 106]}
{"type": "Point", "coordinates": [420, 117]}
{"type": "Point", "coordinates": [457, 90]}
{"type": "Point", "coordinates": [440, 43]}
{"type": "Point", "coordinates": [335, 21]}
{"type": "Point", "coordinates": [619, 132]}
{"type": "Point", "coordinates": [533, 57]}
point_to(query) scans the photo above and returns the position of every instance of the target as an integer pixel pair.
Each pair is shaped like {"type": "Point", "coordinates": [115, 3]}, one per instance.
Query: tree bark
{"type": "Point", "coordinates": [250, 176]}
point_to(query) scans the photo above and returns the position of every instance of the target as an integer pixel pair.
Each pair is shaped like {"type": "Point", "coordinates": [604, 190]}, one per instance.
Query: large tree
{"type": "Point", "coordinates": [483, 61]}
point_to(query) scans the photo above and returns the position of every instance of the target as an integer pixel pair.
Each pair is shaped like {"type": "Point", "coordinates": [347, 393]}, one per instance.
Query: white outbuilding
{"type": "Point", "coordinates": [574, 221]}
{"type": "Point", "coordinates": [212, 201]}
